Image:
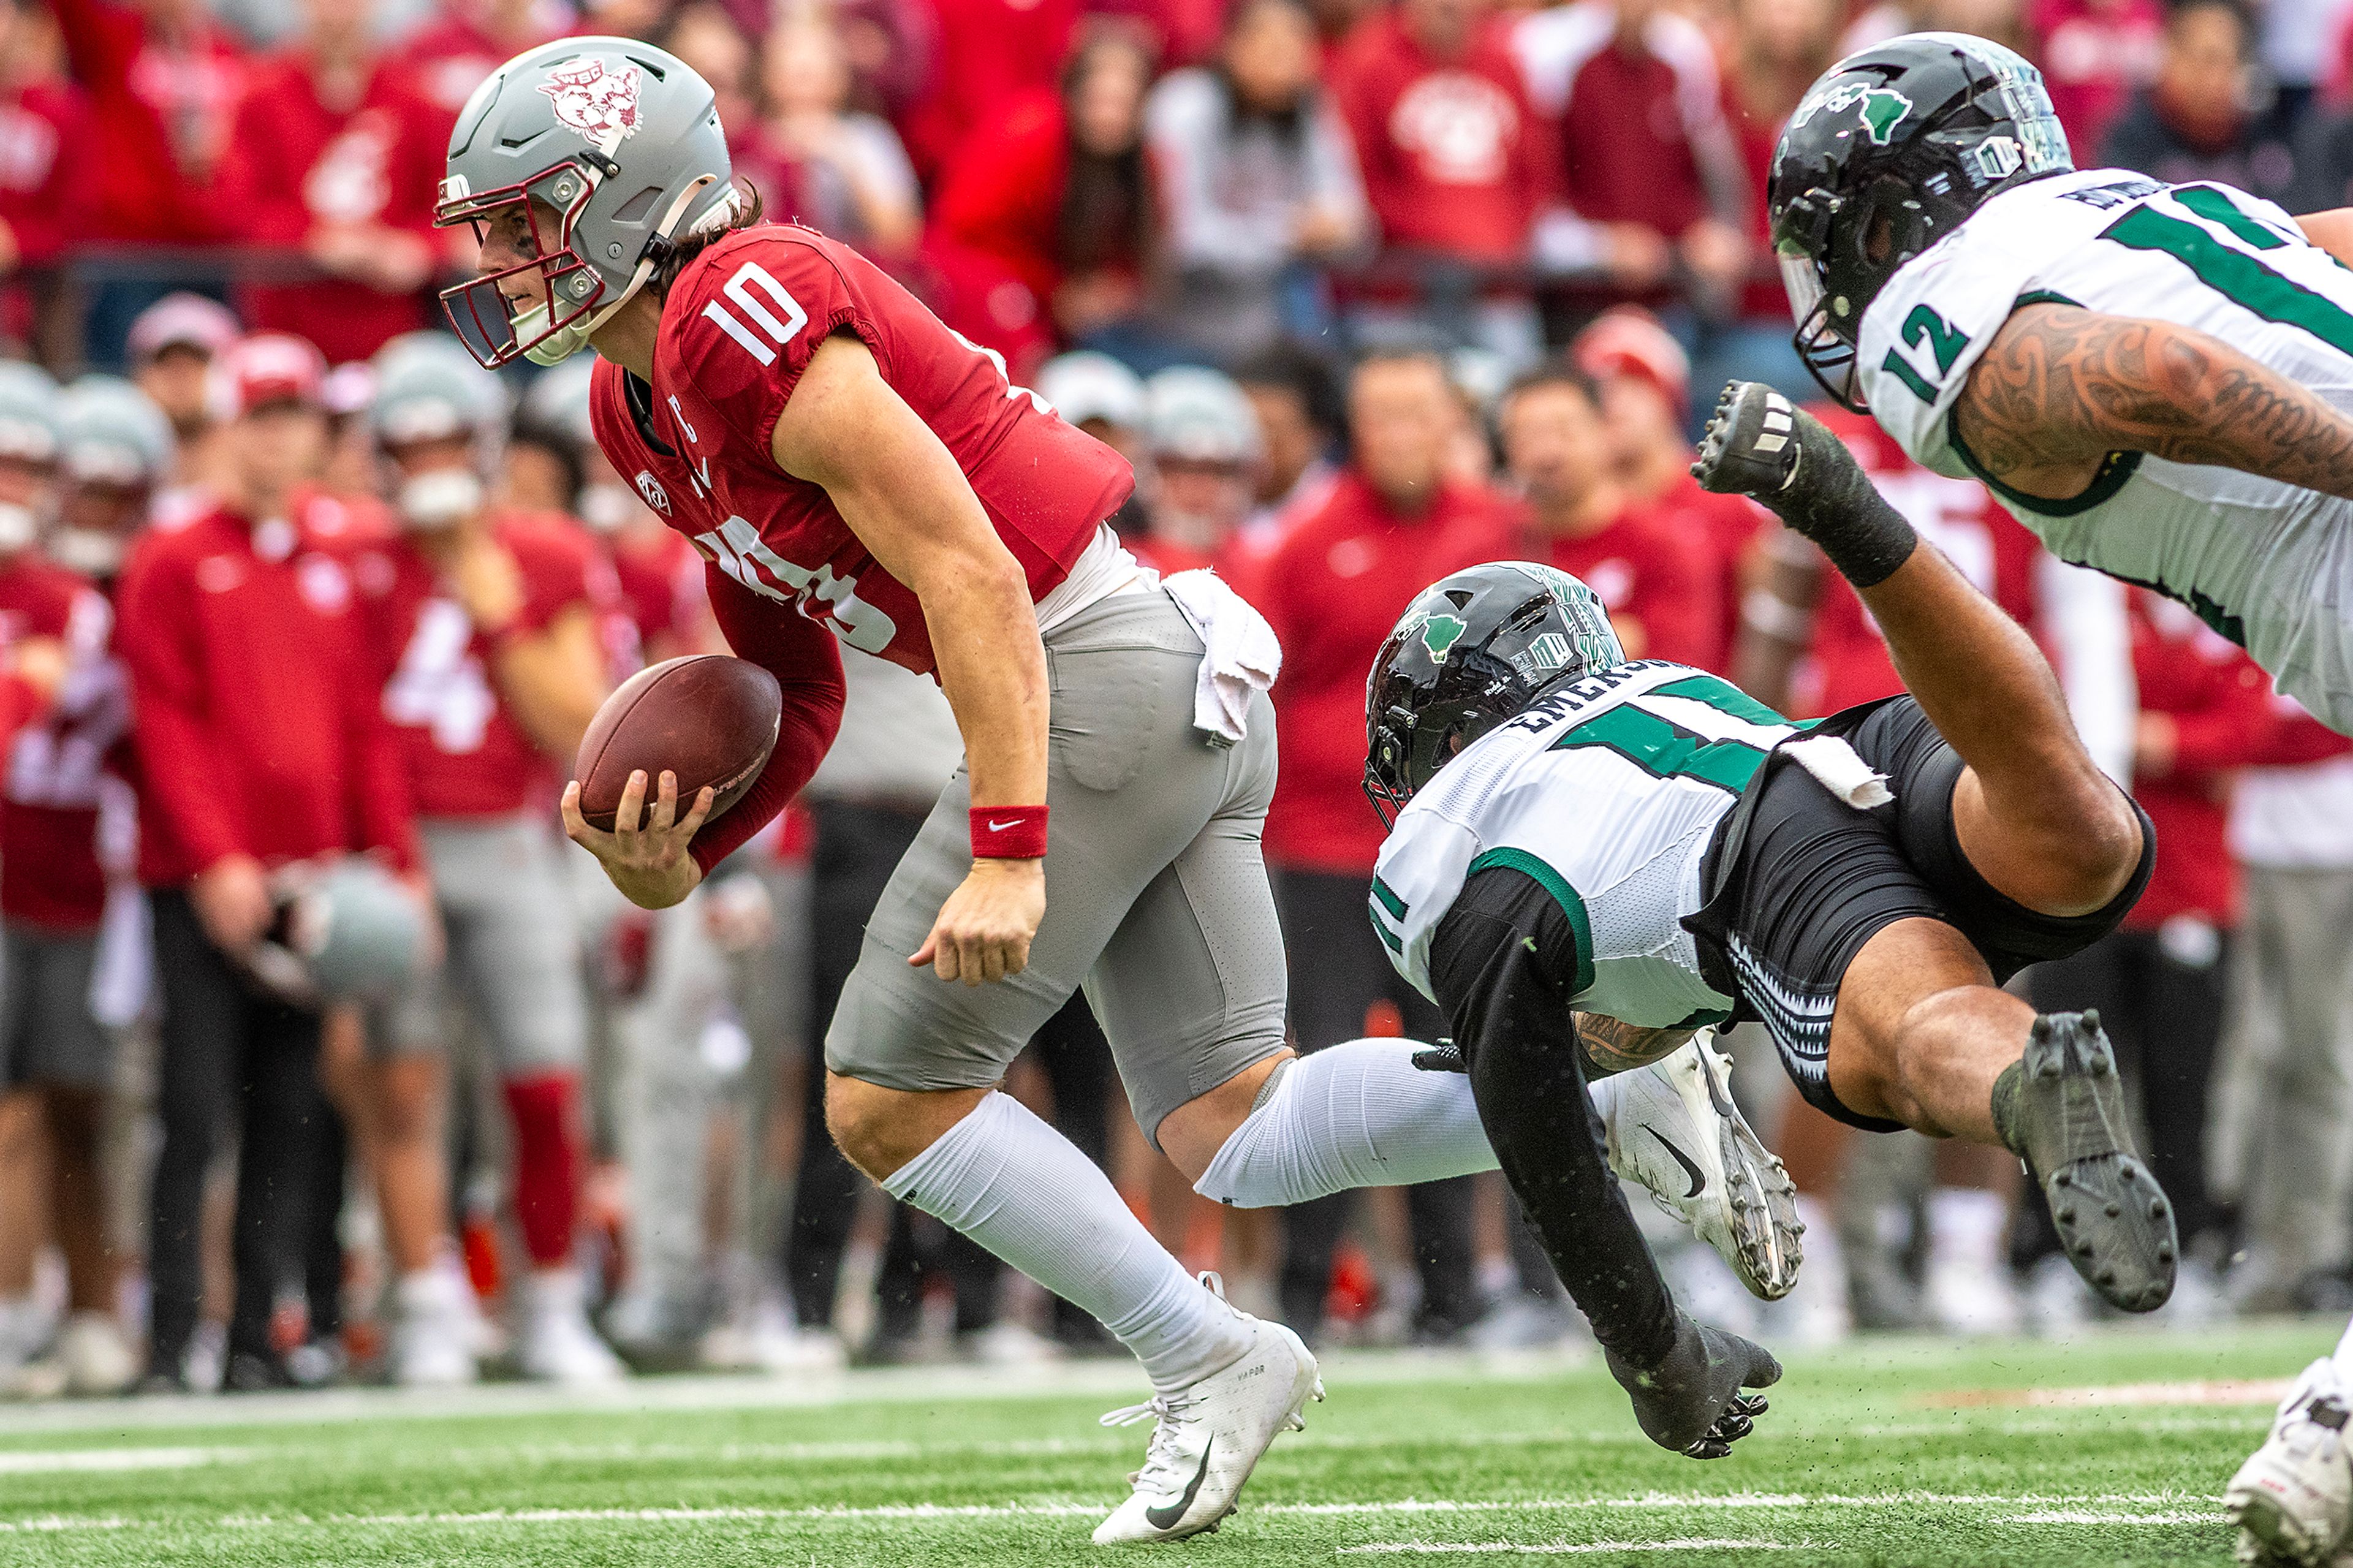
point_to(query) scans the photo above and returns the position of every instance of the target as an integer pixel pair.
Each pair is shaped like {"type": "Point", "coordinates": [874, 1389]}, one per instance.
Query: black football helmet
{"type": "Point", "coordinates": [1471, 651]}
{"type": "Point", "coordinates": [1886, 156]}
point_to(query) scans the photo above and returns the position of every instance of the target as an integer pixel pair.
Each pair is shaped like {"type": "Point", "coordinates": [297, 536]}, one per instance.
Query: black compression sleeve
{"type": "Point", "coordinates": [1502, 963]}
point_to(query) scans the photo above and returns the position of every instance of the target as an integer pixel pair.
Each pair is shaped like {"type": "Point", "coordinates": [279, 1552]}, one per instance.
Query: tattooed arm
{"type": "Point", "coordinates": [1611, 1047]}
{"type": "Point", "coordinates": [2060, 388]}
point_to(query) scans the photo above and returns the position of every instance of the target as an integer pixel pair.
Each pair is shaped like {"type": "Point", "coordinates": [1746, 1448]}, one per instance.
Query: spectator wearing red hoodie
{"type": "Point", "coordinates": [337, 157]}
{"type": "Point", "coordinates": [991, 53]}
{"type": "Point", "coordinates": [1644, 378]}
{"type": "Point", "coordinates": [1777, 49]}
{"type": "Point", "coordinates": [258, 746]}
{"type": "Point", "coordinates": [1658, 582]}
{"type": "Point", "coordinates": [1456, 165]}
{"type": "Point", "coordinates": [2158, 982]}
{"type": "Point", "coordinates": [163, 82]}
{"type": "Point", "coordinates": [2095, 54]}
{"type": "Point", "coordinates": [44, 190]}
{"type": "Point", "coordinates": [1056, 189]}
{"type": "Point", "coordinates": [1648, 168]}
{"type": "Point", "coordinates": [1390, 526]}
{"type": "Point", "coordinates": [465, 40]}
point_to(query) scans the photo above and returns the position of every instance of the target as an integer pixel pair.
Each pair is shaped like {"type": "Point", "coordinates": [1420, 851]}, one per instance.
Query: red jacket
{"type": "Point", "coordinates": [161, 123]}
{"type": "Point", "coordinates": [2220, 702]}
{"type": "Point", "coordinates": [1648, 572]}
{"type": "Point", "coordinates": [991, 53]}
{"type": "Point", "coordinates": [44, 189]}
{"type": "Point", "coordinates": [298, 165]}
{"type": "Point", "coordinates": [256, 726]}
{"type": "Point", "coordinates": [1332, 592]}
{"type": "Point", "coordinates": [63, 767]}
{"type": "Point", "coordinates": [1453, 158]}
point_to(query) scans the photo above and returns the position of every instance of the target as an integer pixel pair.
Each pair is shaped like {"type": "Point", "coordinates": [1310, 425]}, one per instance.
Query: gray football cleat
{"type": "Point", "coordinates": [2113, 1218]}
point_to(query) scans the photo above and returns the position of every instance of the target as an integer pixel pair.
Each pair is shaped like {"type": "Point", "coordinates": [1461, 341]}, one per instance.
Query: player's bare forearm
{"type": "Point", "coordinates": [1777, 618]}
{"type": "Point", "coordinates": [1612, 1047]}
{"type": "Point", "coordinates": [555, 682]}
{"type": "Point", "coordinates": [2060, 388]}
{"type": "Point", "coordinates": [993, 670]}
{"type": "Point", "coordinates": [2332, 231]}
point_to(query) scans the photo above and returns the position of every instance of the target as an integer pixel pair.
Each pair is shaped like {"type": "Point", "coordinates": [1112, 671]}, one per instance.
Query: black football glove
{"type": "Point", "coordinates": [1692, 1402]}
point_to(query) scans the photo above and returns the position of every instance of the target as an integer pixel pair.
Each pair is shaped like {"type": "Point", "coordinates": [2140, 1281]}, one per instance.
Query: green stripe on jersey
{"type": "Point", "coordinates": [1722, 696]}
{"type": "Point", "coordinates": [2236, 275]}
{"type": "Point", "coordinates": [1667, 750]}
{"type": "Point", "coordinates": [2215, 208]}
{"type": "Point", "coordinates": [1389, 900]}
{"type": "Point", "coordinates": [1542, 872]}
{"type": "Point", "coordinates": [1394, 945]}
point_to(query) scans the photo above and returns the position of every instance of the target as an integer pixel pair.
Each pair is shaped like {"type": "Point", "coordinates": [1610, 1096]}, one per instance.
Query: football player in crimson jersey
{"type": "Point", "coordinates": [490, 626]}
{"type": "Point", "coordinates": [846, 463]}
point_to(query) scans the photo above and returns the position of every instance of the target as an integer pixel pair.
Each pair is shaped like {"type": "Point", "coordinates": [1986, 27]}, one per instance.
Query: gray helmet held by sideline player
{"type": "Point", "coordinates": [1471, 652]}
{"type": "Point", "coordinates": [347, 932]}
{"type": "Point", "coordinates": [622, 141]}
{"type": "Point", "coordinates": [428, 390]}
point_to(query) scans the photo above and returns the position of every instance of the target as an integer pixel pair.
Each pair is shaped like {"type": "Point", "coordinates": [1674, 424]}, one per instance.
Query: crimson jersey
{"type": "Point", "coordinates": [58, 765]}
{"type": "Point", "coordinates": [738, 330]}
{"type": "Point", "coordinates": [1658, 581]}
{"type": "Point", "coordinates": [462, 752]}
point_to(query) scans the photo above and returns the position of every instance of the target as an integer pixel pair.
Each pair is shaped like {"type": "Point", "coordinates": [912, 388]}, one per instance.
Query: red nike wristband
{"type": "Point", "coordinates": [1009, 832]}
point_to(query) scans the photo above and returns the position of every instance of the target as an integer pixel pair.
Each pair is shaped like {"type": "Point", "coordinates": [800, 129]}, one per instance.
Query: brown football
{"type": "Point", "coordinates": [709, 717]}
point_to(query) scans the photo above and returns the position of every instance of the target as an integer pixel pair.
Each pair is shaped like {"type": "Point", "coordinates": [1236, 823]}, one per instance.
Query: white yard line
{"type": "Point", "coordinates": [45, 1461]}
{"type": "Point", "coordinates": [2093, 1509]}
{"type": "Point", "coordinates": [1577, 1548]}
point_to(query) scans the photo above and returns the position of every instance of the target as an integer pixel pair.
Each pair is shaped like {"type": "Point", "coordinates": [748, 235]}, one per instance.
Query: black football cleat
{"type": "Point", "coordinates": [1753, 442]}
{"type": "Point", "coordinates": [2113, 1218]}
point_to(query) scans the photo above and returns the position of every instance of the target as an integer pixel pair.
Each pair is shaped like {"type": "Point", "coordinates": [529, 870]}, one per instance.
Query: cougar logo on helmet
{"type": "Point", "coordinates": [597, 104]}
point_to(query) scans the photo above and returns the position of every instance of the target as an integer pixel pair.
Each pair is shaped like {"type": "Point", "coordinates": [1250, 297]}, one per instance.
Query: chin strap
{"type": "Point", "coordinates": [656, 249]}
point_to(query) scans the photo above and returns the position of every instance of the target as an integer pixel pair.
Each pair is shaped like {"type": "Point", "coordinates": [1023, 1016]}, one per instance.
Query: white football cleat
{"type": "Point", "coordinates": [556, 1343]}
{"type": "Point", "coordinates": [2292, 1499]}
{"type": "Point", "coordinates": [1210, 1435]}
{"type": "Point", "coordinates": [95, 1354]}
{"type": "Point", "coordinates": [1672, 1127]}
{"type": "Point", "coordinates": [432, 1332]}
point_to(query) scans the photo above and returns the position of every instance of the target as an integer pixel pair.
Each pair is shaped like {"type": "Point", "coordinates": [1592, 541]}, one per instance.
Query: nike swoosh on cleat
{"type": "Point", "coordinates": [1698, 1176]}
{"type": "Point", "coordinates": [1168, 1517]}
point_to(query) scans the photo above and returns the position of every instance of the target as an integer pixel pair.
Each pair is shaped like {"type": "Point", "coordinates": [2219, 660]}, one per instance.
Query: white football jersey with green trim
{"type": "Point", "coordinates": [1605, 794]}
{"type": "Point", "coordinates": [2267, 564]}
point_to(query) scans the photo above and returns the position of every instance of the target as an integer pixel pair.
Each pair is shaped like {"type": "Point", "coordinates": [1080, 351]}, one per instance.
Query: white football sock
{"type": "Point", "coordinates": [1023, 1191]}
{"type": "Point", "coordinates": [1358, 1114]}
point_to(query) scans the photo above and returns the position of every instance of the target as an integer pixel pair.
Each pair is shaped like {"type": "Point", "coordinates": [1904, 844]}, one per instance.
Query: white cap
{"type": "Point", "coordinates": [1090, 386]}
{"type": "Point", "coordinates": [1201, 417]}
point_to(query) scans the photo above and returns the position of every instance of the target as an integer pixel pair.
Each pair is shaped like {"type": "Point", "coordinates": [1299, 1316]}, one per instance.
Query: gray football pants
{"type": "Point", "coordinates": [1156, 898]}
{"type": "Point", "coordinates": [2280, 1134]}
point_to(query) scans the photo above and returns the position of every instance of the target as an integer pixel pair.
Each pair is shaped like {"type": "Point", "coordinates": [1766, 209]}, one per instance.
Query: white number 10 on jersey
{"type": "Point", "coordinates": [779, 328]}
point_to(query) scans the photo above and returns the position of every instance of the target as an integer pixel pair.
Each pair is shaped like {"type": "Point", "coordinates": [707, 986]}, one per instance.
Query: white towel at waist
{"type": "Point", "coordinates": [1839, 769]}
{"type": "Point", "coordinates": [1242, 657]}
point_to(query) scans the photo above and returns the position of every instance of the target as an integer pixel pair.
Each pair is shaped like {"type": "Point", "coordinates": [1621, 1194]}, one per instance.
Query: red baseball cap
{"type": "Point", "coordinates": [1630, 342]}
{"type": "Point", "coordinates": [262, 369]}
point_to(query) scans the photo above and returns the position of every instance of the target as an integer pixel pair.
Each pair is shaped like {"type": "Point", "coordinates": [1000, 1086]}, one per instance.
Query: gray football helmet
{"type": "Point", "coordinates": [428, 388]}
{"type": "Point", "coordinates": [621, 140]}
{"type": "Point", "coordinates": [113, 439]}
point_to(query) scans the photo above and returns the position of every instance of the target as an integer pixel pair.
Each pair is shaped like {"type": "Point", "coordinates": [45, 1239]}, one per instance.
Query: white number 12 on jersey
{"type": "Point", "coordinates": [779, 329]}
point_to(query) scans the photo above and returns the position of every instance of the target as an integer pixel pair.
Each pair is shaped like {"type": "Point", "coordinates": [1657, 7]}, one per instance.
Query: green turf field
{"type": "Point", "coordinates": [1890, 1452]}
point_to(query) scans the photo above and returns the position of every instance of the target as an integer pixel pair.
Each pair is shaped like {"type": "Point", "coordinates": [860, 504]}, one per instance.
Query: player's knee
{"type": "Point", "coordinates": [879, 1130]}
{"type": "Point", "coordinates": [2096, 853]}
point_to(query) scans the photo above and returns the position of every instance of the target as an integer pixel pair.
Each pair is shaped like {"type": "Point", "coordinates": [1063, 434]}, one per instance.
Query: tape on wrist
{"type": "Point", "coordinates": [1009, 832]}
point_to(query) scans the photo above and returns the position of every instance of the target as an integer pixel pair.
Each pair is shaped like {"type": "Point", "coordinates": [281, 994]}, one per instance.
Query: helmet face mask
{"type": "Point", "coordinates": [1471, 652]}
{"type": "Point", "coordinates": [1890, 151]}
{"type": "Point", "coordinates": [490, 326]}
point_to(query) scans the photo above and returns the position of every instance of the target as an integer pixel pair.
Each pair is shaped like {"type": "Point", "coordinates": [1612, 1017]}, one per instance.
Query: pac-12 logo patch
{"type": "Point", "coordinates": [1882, 108]}
{"type": "Point", "coordinates": [651, 488]}
{"type": "Point", "coordinates": [600, 104]}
